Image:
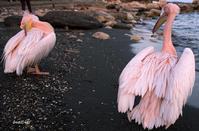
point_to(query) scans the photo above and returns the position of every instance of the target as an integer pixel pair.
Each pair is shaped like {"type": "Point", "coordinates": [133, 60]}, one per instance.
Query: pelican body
{"type": "Point", "coordinates": [29, 46]}
{"type": "Point", "coordinates": [162, 79]}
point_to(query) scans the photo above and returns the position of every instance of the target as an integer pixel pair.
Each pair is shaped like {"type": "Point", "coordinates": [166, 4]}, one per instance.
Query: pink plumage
{"type": "Point", "coordinates": [29, 46]}
{"type": "Point", "coordinates": [163, 81]}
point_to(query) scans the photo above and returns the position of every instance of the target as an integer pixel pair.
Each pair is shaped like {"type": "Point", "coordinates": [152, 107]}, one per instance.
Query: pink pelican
{"type": "Point", "coordinates": [163, 80]}
{"type": "Point", "coordinates": [29, 46]}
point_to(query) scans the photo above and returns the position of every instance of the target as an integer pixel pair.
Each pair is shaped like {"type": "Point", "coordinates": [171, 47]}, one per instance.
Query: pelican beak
{"type": "Point", "coordinates": [162, 19]}
{"type": "Point", "coordinates": [27, 27]}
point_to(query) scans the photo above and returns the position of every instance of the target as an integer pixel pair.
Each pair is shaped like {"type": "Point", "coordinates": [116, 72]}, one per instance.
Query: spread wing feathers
{"type": "Point", "coordinates": [128, 79]}
{"type": "Point", "coordinates": [13, 43]}
{"type": "Point", "coordinates": [180, 87]}
{"type": "Point", "coordinates": [34, 52]}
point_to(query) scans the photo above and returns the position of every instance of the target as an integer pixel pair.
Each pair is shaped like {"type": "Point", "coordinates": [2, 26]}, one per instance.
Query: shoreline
{"type": "Point", "coordinates": [81, 91]}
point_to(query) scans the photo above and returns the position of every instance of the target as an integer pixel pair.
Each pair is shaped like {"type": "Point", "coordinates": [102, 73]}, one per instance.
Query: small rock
{"type": "Point", "coordinates": [134, 22]}
{"type": "Point", "coordinates": [122, 26]}
{"type": "Point", "coordinates": [108, 27]}
{"type": "Point", "coordinates": [136, 38]}
{"type": "Point", "coordinates": [15, 13]}
{"type": "Point", "coordinates": [101, 19]}
{"type": "Point", "coordinates": [112, 1]}
{"type": "Point", "coordinates": [129, 16]}
{"type": "Point", "coordinates": [101, 36]}
{"type": "Point", "coordinates": [110, 23]}
{"type": "Point", "coordinates": [81, 34]}
{"type": "Point", "coordinates": [32, 128]}
{"type": "Point", "coordinates": [72, 36]}
{"type": "Point", "coordinates": [66, 28]}
{"type": "Point", "coordinates": [79, 40]}
{"type": "Point", "coordinates": [40, 12]}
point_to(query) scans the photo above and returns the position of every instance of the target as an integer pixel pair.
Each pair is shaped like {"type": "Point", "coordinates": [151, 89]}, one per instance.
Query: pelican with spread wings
{"type": "Point", "coordinates": [162, 79]}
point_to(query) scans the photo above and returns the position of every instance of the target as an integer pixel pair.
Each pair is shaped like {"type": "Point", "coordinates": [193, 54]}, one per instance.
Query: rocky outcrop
{"type": "Point", "coordinates": [150, 6]}
{"type": "Point", "coordinates": [112, 1]}
{"type": "Point", "coordinates": [12, 21]}
{"type": "Point", "coordinates": [103, 16]}
{"type": "Point", "coordinates": [153, 13]}
{"type": "Point", "coordinates": [119, 25]}
{"type": "Point", "coordinates": [186, 7]}
{"type": "Point", "coordinates": [71, 19]}
{"type": "Point", "coordinates": [131, 6]}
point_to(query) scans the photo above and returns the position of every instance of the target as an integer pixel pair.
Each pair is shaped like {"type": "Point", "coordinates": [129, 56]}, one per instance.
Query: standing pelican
{"type": "Point", "coordinates": [163, 80]}
{"type": "Point", "coordinates": [29, 46]}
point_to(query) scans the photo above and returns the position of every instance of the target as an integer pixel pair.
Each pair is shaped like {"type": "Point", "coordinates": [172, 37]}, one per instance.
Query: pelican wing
{"type": "Point", "coordinates": [184, 76]}
{"type": "Point", "coordinates": [13, 43]}
{"type": "Point", "coordinates": [34, 52]}
{"type": "Point", "coordinates": [128, 78]}
{"type": "Point", "coordinates": [10, 52]}
{"type": "Point", "coordinates": [181, 83]}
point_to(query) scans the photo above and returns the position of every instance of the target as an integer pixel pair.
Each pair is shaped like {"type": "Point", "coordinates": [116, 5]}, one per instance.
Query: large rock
{"type": "Point", "coordinates": [125, 16]}
{"type": "Point", "coordinates": [131, 6]}
{"type": "Point", "coordinates": [195, 1]}
{"type": "Point", "coordinates": [153, 12]}
{"type": "Point", "coordinates": [110, 23]}
{"type": "Point", "coordinates": [119, 25]}
{"type": "Point", "coordinates": [111, 6]}
{"type": "Point", "coordinates": [72, 19]}
{"type": "Point", "coordinates": [196, 6]}
{"type": "Point", "coordinates": [103, 16]}
{"type": "Point", "coordinates": [112, 1]}
{"type": "Point", "coordinates": [186, 7]}
{"type": "Point", "coordinates": [12, 20]}
{"type": "Point", "coordinates": [150, 6]}
{"type": "Point", "coordinates": [41, 12]}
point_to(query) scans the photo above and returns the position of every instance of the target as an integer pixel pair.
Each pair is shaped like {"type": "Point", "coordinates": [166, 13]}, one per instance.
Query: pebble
{"type": "Point", "coordinates": [101, 36]}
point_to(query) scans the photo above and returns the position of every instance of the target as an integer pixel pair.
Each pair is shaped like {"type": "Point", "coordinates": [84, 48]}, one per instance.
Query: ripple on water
{"type": "Point", "coordinates": [185, 34]}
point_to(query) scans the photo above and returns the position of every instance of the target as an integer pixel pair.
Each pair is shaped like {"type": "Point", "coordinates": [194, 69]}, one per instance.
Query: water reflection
{"type": "Point", "coordinates": [185, 34]}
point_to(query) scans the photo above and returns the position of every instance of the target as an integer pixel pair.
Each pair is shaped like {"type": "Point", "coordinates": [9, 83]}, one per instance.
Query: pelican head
{"type": "Point", "coordinates": [168, 9]}
{"type": "Point", "coordinates": [27, 22]}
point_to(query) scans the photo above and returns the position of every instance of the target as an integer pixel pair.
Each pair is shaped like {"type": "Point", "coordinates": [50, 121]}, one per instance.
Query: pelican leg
{"type": "Point", "coordinates": [31, 70]}
{"type": "Point", "coordinates": [36, 71]}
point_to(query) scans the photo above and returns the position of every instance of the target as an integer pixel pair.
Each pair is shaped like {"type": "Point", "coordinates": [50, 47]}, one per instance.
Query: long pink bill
{"type": "Point", "coordinates": [162, 19]}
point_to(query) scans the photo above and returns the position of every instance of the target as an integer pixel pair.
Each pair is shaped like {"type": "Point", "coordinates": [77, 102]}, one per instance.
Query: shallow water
{"type": "Point", "coordinates": [185, 34]}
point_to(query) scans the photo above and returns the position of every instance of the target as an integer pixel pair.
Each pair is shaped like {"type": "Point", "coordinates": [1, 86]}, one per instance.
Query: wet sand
{"type": "Point", "coordinates": [81, 91]}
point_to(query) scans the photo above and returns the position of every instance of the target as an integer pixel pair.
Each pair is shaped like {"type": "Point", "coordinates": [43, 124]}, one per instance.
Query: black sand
{"type": "Point", "coordinates": [81, 91]}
